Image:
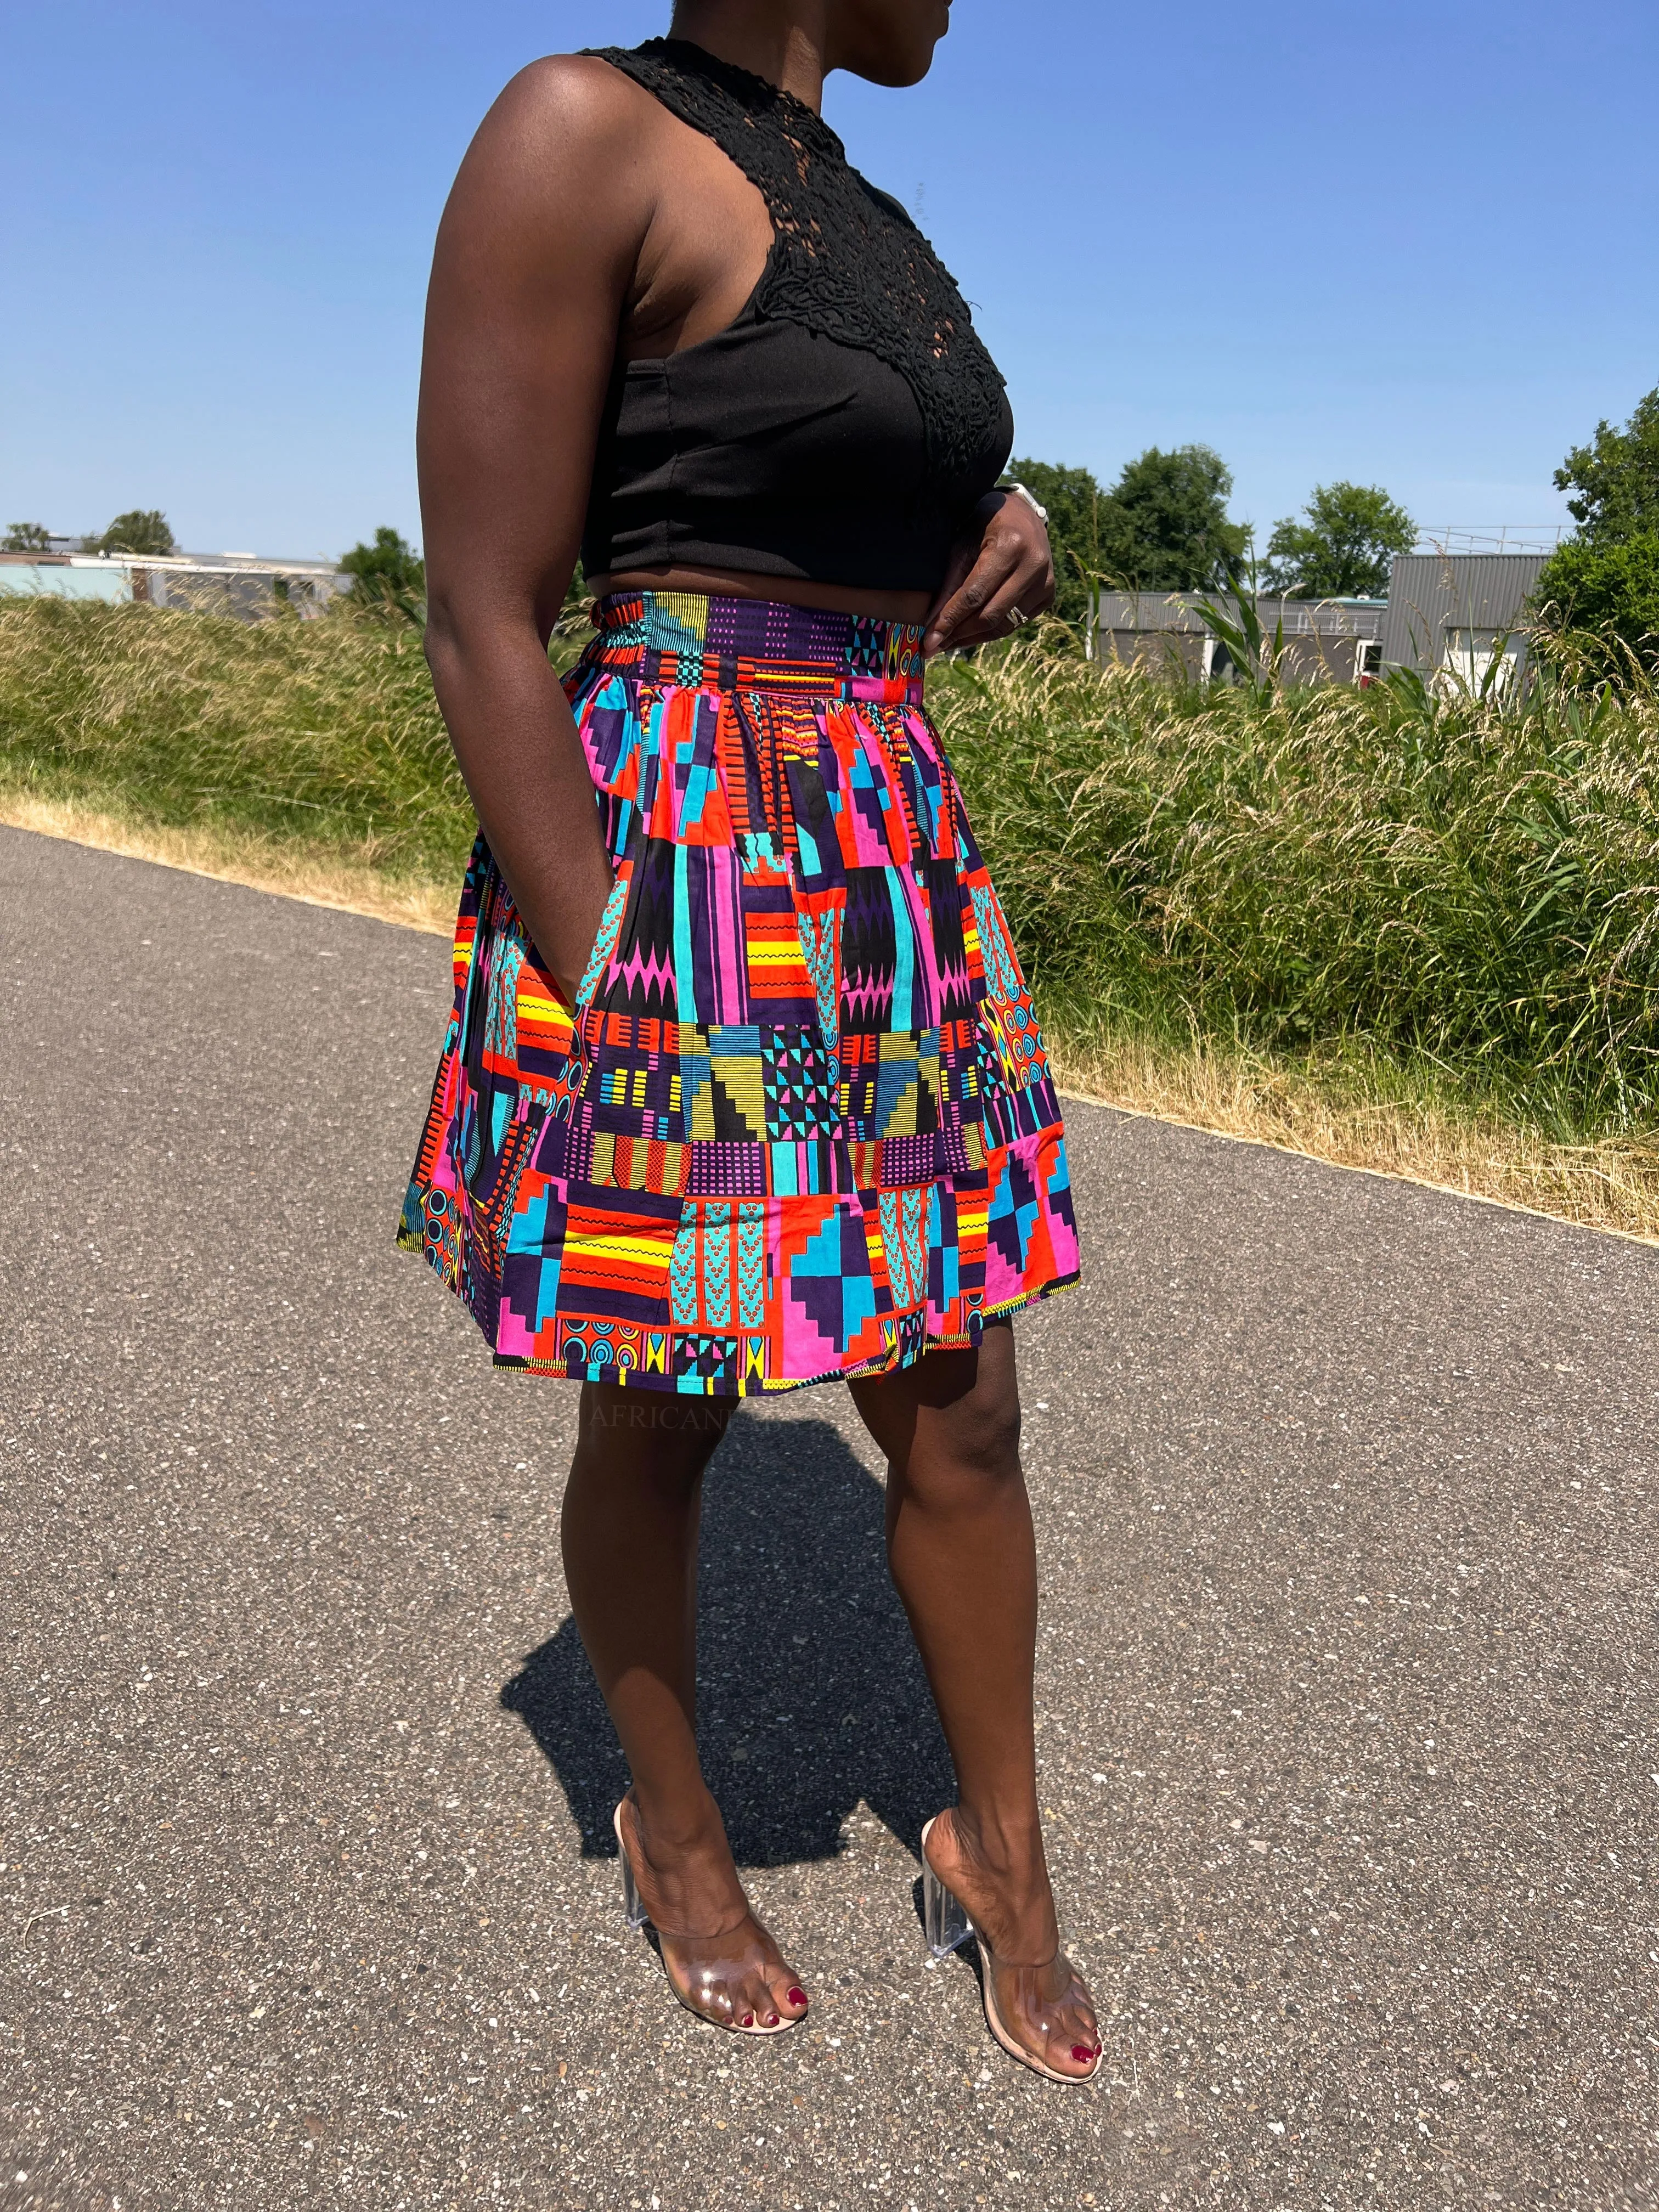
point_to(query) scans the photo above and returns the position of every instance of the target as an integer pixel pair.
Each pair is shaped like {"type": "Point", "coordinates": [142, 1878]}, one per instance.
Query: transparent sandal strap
{"type": "Point", "coordinates": [673, 1935]}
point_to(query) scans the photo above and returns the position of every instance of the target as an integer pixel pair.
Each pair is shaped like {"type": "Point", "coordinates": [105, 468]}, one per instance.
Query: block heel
{"type": "Point", "coordinates": [945, 1918]}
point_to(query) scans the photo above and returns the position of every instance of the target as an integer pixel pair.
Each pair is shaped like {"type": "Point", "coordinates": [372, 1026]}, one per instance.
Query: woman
{"type": "Point", "coordinates": [742, 1088]}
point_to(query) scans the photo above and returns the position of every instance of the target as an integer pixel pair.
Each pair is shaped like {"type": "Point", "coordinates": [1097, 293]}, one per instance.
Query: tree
{"type": "Point", "coordinates": [1163, 525]}
{"type": "Point", "coordinates": [1607, 593]}
{"type": "Point", "coordinates": [1343, 549]}
{"type": "Point", "coordinates": [1073, 501]}
{"type": "Point", "coordinates": [390, 573]}
{"type": "Point", "coordinates": [1616, 477]}
{"type": "Point", "coordinates": [140, 529]}
{"type": "Point", "coordinates": [390, 565]}
{"type": "Point", "coordinates": [26, 538]}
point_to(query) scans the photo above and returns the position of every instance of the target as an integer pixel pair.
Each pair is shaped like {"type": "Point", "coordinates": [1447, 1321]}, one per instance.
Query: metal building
{"type": "Point", "coordinates": [1325, 641]}
{"type": "Point", "coordinates": [236, 584]}
{"type": "Point", "coordinates": [1452, 614]}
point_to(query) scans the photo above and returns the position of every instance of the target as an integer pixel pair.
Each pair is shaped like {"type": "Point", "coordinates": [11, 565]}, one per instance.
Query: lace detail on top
{"type": "Point", "coordinates": [847, 261]}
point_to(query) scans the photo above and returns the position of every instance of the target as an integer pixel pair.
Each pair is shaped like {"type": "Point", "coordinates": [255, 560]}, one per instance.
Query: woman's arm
{"type": "Point", "coordinates": [535, 258]}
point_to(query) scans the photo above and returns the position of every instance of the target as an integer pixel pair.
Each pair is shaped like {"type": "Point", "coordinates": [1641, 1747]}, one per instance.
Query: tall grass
{"type": "Point", "coordinates": [321, 732]}
{"type": "Point", "coordinates": [1461, 885]}
{"type": "Point", "coordinates": [1460, 890]}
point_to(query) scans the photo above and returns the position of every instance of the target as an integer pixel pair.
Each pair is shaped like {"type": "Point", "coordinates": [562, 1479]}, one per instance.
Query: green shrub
{"type": "Point", "coordinates": [1603, 596]}
{"type": "Point", "coordinates": [1162, 526]}
{"type": "Point", "coordinates": [1615, 479]}
{"type": "Point", "coordinates": [140, 529]}
{"type": "Point", "coordinates": [1342, 546]}
{"type": "Point", "coordinates": [388, 576]}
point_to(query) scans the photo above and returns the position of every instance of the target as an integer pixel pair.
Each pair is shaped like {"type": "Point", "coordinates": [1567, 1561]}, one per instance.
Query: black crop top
{"type": "Point", "coordinates": [844, 428]}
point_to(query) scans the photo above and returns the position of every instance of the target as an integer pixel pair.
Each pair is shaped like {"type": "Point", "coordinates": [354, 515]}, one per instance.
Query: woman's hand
{"type": "Point", "coordinates": [1001, 574]}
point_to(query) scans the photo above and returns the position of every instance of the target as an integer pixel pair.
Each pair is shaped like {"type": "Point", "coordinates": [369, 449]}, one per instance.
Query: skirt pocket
{"type": "Point", "coordinates": [526, 1039]}
{"type": "Point", "coordinates": [531, 1056]}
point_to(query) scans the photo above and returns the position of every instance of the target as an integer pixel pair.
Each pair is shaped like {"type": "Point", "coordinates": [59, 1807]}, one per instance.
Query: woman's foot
{"type": "Point", "coordinates": [734, 1974]}
{"type": "Point", "coordinates": [1031, 1991]}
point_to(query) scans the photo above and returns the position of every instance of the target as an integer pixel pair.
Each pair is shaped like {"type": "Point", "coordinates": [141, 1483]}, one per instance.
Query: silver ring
{"type": "Point", "coordinates": [1015, 618]}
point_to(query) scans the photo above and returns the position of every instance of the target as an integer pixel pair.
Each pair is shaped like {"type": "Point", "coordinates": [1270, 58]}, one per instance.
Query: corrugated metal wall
{"type": "Point", "coordinates": [1160, 612]}
{"type": "Point", "coordinates": [1433, 593]}
{"type": "Point", "coordinates": [1165, 632]}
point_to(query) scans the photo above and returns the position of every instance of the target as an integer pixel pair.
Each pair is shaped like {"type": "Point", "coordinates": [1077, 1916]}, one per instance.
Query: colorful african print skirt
{"type": "Point", "coordinates": [799, 1123]}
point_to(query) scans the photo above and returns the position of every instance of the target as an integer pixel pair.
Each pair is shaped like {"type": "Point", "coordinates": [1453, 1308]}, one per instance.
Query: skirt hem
{"type": "Point", "coordinates": [693, 1386]}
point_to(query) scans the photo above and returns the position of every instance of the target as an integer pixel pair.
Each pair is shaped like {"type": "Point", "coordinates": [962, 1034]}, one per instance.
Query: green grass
{"type": "Point", "coordinates": [1448, 890]}
{"type": "Point", "coordinates": [325, 731]}
{"type": "Point", "coordinates": [1396, 895]}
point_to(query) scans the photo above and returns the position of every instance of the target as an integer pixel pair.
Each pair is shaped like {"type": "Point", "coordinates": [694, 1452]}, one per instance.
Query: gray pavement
{"type": "Point", "coordinates": [1345, 1497]}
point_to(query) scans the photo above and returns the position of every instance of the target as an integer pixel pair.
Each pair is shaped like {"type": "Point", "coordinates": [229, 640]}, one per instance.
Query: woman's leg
{"type": "Point", "coordinates": [960, 1544]}
{"type": "Point", "coordinates": [629, 1533]}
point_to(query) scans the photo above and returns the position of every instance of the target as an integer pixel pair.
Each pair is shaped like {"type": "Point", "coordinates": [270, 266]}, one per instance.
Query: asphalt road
{"type": "Point", "coordinates": [1345, 1497]}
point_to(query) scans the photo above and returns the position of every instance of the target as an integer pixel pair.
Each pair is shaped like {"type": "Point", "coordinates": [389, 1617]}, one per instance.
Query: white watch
{"type": "Point", "coordinates": [1036, 506]}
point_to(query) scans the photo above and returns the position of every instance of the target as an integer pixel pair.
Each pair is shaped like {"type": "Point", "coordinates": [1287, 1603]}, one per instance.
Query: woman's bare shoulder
{"type": "Point", "coordinates": [577, 100]}
{"type": "Point", "coordinates": [570, 141]}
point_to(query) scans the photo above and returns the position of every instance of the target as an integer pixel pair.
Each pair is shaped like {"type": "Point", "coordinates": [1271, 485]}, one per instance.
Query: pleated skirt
{"type": "Point", "coordinates": [798, 1123]}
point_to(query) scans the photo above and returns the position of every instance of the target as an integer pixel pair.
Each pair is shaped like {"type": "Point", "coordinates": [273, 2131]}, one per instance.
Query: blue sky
{"type": "Point", "coordinates": [1409, 244]}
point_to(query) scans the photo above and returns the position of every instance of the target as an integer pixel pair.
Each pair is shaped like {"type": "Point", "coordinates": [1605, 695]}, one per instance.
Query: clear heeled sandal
{"type": "Point", "coordinates": [713, 1972]}
{"type": "Point", "coordinates": [948, 1928]}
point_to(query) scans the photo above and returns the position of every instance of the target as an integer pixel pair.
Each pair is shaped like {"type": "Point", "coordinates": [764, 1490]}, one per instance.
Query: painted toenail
{"type": "Point", "coordinates": [771, 2020]}
{"type": "Point", "coordinates": [798, 1996]}
{"type": "Point", "coordinates": [749, 2020]}
{"type": "Point", "coordinates": [1082, 2053]}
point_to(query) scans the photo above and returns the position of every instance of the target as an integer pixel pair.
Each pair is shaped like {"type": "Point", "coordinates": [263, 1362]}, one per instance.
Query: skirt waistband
{"type": "Point", "coordinates": [715, 644]}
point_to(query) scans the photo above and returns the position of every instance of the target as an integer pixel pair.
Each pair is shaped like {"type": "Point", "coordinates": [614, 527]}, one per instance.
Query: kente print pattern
{"type": "Point", "coordinates": [799, 1123]}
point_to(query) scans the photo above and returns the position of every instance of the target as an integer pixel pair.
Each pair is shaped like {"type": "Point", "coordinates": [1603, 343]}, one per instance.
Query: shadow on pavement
{"type": "Point", "coordinates": [811, 1695]}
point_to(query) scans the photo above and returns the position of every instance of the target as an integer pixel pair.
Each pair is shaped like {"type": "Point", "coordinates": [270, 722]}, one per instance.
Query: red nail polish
{"type": "Point", "coordinates": [749, 2020]}
{"type": "Point", "coordinates": [1082, 2053]}
{"type": "Point", "coordinates": [798, 1996]}
{"type": "Point", "coordinates": [771, 2020]}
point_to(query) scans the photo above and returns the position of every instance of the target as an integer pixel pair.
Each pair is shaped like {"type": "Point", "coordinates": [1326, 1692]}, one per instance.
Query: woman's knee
{"type": "Point", "coordinates": [964, 1418]}
{"type": "Point", "coordinates": [978, 1433]}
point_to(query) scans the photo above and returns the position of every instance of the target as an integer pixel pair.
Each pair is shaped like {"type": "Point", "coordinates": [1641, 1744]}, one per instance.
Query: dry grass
{"type": "Point", "coordinates": [1455, 892]}
{"type": "Point", "coordinates": [322, 735]}
{"type": "Point", "coordinates": [1612, 1185]}
{"type": "Point", "coordinates": [321, 877]}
